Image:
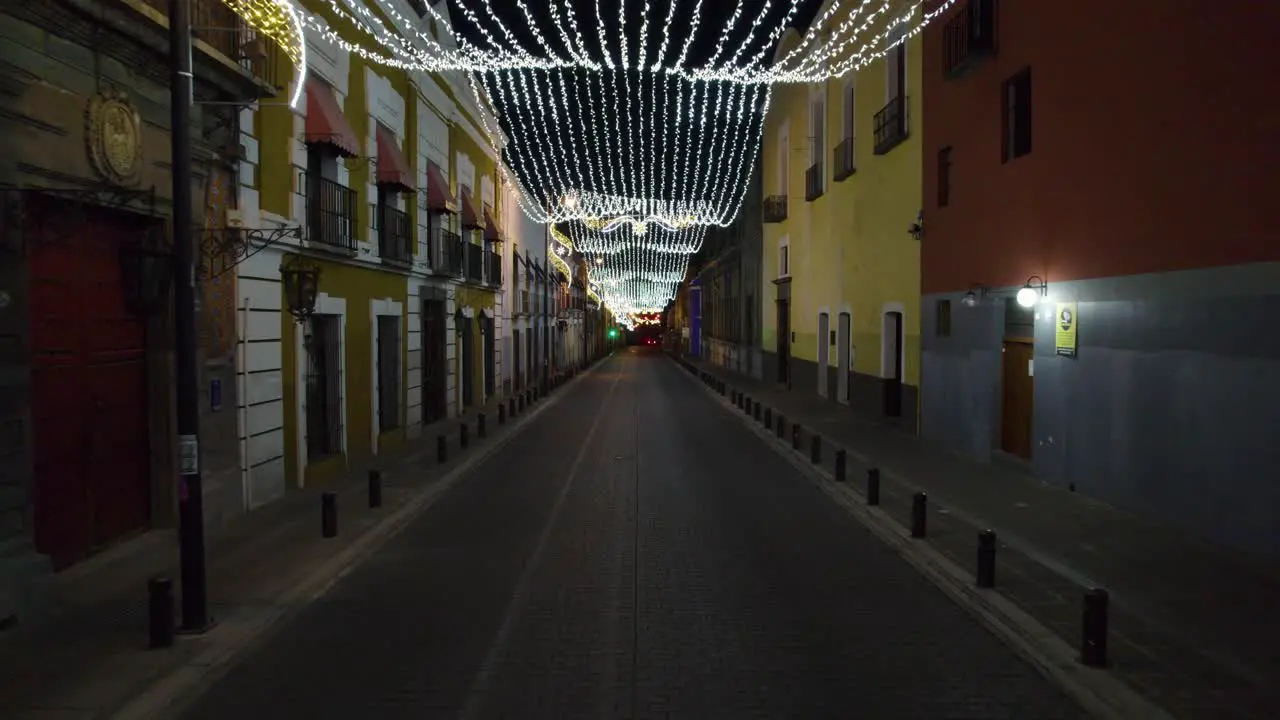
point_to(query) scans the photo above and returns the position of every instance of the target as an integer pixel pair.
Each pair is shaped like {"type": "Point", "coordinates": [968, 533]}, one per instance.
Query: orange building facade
{"type": "Point", "coordinates": [1115, 159]}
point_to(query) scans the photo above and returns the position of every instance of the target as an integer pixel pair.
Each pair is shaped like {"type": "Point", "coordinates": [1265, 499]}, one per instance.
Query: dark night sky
{"type": "Point", "coordinates": [714, 14]}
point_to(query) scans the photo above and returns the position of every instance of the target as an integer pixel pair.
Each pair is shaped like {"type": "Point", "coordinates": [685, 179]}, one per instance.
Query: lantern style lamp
{"type": "Point", "coordinates": [301, 280]}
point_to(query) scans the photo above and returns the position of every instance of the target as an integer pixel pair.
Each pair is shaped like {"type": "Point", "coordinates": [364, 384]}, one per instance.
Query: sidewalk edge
{"type": "Point", "coordinates": [187, 682]}
{"type": "Point", "coordinates": [1099, 693]}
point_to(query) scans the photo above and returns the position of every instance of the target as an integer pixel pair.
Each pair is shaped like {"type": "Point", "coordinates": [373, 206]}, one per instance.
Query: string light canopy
{"type": "Point", "coordinates": [629, 119]}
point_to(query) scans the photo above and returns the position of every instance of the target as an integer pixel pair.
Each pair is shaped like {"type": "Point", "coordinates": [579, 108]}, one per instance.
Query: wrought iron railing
{"type": "Point", "coordinates": [891, 125]}
{"type": "Point", "coordinates": [814, 182]}
{"type": "Point", "coordinates": [216, 24]}
{"type": "Point", "coordinates": [394, 235]}
{"type": "Point", "coordinates": [843, 158]}
{"type": "Point", "coordinates": [331, 214]}
{"type": "Point", "coordinates": [968, 37]}
{"type": "Point", "coordinates": [475, 263]}
{"type": "Point", "coordinates": [775, 208]}
{"type": "Point", "coordinates": [454, 251]}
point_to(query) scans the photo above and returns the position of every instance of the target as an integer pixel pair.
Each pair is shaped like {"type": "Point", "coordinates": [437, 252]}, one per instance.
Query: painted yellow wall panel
{"type": "Point", "coordinates": [273, 126]}
{"type": "Point", "coordinates": [849, 249]}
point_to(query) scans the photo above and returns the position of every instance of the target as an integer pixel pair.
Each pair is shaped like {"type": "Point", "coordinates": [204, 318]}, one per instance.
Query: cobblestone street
{"type": "Point", "coordinates": [635, 553]}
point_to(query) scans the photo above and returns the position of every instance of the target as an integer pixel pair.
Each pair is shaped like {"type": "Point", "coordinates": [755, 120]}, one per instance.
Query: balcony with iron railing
{"type": "Point", "coordinates": [331, 215]}
{"type": "Point", "coordinates": [775, 208]}
{"type": "Point", "coordinates": [475, 262]}
{"type": "Point", "coordinates": [494, 274]}
{"type": "Point", "coordinates": [891, 125]}
{"type": "Point", "coordinates": [394, 235]}
{"type": "Point", "coordinates": [968, 37]}
{"type": "Point", "coordinates": [454, 251]}
{"type": "Point", "coordinates": [814, 182]}
{"type": "Point", "coordinates": [843, 159]}
{"type": "Point", "coordinates": [215, 25]}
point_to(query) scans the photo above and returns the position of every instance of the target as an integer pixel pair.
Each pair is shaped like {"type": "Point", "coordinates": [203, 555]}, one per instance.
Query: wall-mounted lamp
{"type": "Point", "coordinates": [1033, 291]}
{"type": "Point", "coordinates": [976, 294]}
{"type": "Point", "coordinates": [917, 228]}
{"type": "Point", "coordinates": [301, 280]}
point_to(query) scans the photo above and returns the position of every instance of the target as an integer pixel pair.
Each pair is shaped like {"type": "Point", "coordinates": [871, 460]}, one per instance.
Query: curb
{"type": "Point", "coordinates": [1094, 689]}
{"type": "Point", "coordinates": [236, 638]}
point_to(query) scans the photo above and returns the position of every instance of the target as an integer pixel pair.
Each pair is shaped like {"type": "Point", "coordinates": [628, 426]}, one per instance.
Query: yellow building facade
{"type": "Point", "coordinates": [392, 186]}
{"type": "Point", "coordinates": [843, 195]}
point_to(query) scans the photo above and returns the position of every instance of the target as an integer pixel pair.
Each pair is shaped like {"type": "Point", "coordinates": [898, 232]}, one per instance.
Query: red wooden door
{"type": "Point", "coordinates": [89, 398]}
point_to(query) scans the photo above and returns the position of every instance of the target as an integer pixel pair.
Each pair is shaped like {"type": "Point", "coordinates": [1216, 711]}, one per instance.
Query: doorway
{"type": "Point", "coordinates": [824, 352]}
{"type": "Point", "coordinates": [467, 359]}
{"type": "Point", "coordinates": [843, 361]}
{"type": "Point", "coordinates": [784, 341]}
{"type": "Point", "coordinates": [486, 340]}
{"type": "Point", "coordinates": [89, 396]}
{"type": "Point", "coordinates": [891, 363]}
{"type": "Point", "coordinates": [1017, 391]}
{"type": "Point", "coordinates": [434, 375]}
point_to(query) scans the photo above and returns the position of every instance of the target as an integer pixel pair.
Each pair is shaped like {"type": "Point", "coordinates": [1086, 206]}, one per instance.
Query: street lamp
{"type": "Point", "coordinates": [1032, 292]}
{"type": "Point", "coordinates": [301, 280]}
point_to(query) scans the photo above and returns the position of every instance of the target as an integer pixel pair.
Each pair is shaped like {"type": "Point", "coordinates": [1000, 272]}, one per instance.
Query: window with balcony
{"type": "Point", "coordinates": [814, 178]}
{"type": "Point", "coordinates": [844, 158]}
{"type": "Point", "coordinates": [968, 37]}
{"type": "Point", "coordinates": [775, 208]}
{"type": "Point", "coordinates": [394, 233]}
{"type": "Point", "coordinates": [891, 121]}
{"type": "Point", "coordinates": [1016, 116]}
{"type": "Point", "coordinates": [331, 207]}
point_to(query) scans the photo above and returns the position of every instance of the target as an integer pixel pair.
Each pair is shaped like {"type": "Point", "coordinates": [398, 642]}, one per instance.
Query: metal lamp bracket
{"type": "Point", "coordinates": [221, 249]}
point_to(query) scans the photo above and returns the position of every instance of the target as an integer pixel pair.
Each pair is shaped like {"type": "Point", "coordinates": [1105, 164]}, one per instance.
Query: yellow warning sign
{"type": "Point", "coordinates": [1064, 327]}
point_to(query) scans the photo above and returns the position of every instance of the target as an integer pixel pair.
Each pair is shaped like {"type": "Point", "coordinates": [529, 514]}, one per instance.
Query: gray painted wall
{"type": "Point", "coordinates": [1171, 407]}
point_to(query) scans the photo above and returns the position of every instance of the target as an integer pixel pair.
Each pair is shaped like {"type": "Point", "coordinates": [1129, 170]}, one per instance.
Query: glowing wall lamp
{"type": "Point", "coordinates": [1033, 291]}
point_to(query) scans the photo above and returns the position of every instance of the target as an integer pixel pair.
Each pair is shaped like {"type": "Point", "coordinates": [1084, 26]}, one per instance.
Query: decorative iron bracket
{"type": "Point", "coordinates": [221, 249]}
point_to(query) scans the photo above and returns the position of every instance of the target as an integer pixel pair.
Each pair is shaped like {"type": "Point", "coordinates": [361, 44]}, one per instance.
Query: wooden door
{"type": "Point", "coordinates": [488, 355]}
{"type": "Point", "coordinates": [468, 362]}
{"type": "Point", "coordinates": [892, 363]}
{"type": "Point", "coordinates": [89, 387]}
{"type": "Point", "coordinates": [824, 352]}
{"type": "Point", "coordinates": [1017, 391]}
{"type": "Point", "coordinates": [784, 341]}
{"type": "Point", "coordinates": [843, 347]}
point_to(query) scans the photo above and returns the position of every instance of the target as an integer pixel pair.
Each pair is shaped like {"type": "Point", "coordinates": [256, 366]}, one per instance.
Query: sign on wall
{"type": "Point", "coordinates": [1064, 327]}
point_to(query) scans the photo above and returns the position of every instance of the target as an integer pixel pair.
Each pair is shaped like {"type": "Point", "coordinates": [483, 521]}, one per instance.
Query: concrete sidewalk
{"type": "Point", "coordinates": [1192, 625]}
{"type": "Point", "coordinates": [89, 656]}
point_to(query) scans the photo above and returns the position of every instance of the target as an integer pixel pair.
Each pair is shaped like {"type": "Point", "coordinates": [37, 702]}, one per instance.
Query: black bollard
{"type": "Point", "coordinates": [768, 417]}
{"type": "Point", "coordinates": [756, 411]}
{"type": "Point", "coordinates": [502, 413]}
{"type": "Point", "coordinates": [733, 396]}
{"type": "Point", "coordinates": [464, 435]}
{"type": "Point", "coordinates": [796, 436]}
{"type": "Point", "coordinates": [328, 515]}
{"type": "Point", "coordinates": [781, 430]}
{"type": "Point", "coordinates": [746, 407]}
{"type": "Point", "coordinates": [442, 449]}
{"type": "Point", "coordinates": [919, 515]}
{"type": "Point", "coordinates": [511, 407]}
{"type": "Point", "coordinates": [519, 403]}
{"type": "Point", "coordinates": [1093, 643]}
{"type": "Point", "coordinates": [873, 486]}
{"type": "Point", "coordinates": [986, 575]}
{"type": "Point", "coordinates": [815, 449]}
{"type": "Point", "coordinates": [840, 466]}
{"type": "Point", "coordinates": [375, 488]}
{"type": "Point", "coordinates": [481, 431]}
{"type": "Point", "coordinates": [160, 622]}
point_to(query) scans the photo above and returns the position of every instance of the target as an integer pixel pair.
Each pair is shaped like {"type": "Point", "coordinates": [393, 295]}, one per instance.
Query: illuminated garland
{"type": "Point", "coordinates": [631, 146]}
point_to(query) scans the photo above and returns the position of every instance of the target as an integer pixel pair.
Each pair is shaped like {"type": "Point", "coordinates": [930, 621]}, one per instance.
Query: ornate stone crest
{"type": "Point", "coordinates": [114, 135]}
